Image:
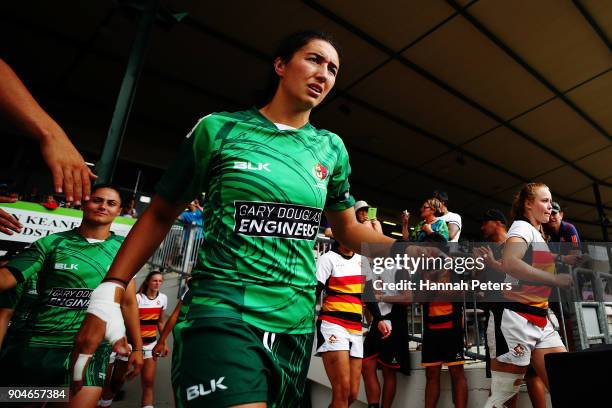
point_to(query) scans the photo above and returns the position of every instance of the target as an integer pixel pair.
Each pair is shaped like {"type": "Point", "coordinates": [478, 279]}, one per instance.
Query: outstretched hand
{"type": "Point", "coordinates": [8, 223]}
{"type": "Point", "coordinates": [70, 173]}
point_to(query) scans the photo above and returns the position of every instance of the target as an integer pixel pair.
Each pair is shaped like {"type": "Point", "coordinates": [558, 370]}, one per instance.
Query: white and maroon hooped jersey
{"type": "Point", "coordinates": [150, 311]}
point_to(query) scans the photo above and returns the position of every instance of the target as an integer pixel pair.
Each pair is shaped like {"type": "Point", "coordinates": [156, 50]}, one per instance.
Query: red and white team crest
{"type": "Point", "coordinates": [320, 171]}
{"type": "Point", "coordinates": [519, 350]}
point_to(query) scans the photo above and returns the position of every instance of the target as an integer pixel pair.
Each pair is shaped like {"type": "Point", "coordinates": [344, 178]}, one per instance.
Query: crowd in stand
{"type": "Point", "coordinates": [385, 333]}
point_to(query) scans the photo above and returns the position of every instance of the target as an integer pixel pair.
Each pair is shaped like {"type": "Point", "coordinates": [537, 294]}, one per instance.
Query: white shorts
{"type": "Point", "coordinates": [114, 356]}
{"type": "Point", "coordinates": [147, 352]}
{"type": "Point", "coordinates": [511, 338]}
{"type": "Point", "coordinates": [333, 337]}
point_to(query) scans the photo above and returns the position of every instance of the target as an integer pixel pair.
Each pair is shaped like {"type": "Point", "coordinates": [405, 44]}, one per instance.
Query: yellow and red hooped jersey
{"type": "Point", "coordinates": [150, 311]}
{"type": "Point", "coordinates": [344, 282]}
{"type": "Point", "coordinates": [532, 295]}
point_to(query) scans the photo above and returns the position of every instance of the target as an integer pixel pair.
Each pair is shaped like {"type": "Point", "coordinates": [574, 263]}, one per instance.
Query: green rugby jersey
{"type": "Point", "coordinates": [68, 268]}
{"type": "Point", "coordinates": [21, 299]}
{"type": "Point", "coordinates": [265, 192]}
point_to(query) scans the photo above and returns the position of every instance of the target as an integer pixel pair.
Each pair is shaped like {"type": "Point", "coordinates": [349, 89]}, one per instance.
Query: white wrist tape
{"type": "Point", "coordinates": [102, 304]}
{"type": "Point", "coordinates": [503, 387]}
{"type": "Point", "coordinates": [79, 366]}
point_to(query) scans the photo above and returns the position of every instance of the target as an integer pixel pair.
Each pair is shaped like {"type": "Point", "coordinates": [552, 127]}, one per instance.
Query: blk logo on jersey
{"type": "Point", "coordinates": [320, 171]}
{"type": "Point", "coordinates": [201, 390]}
{"type": "Point", "coordinates": [69, 298]}
{"type": "Point", "coordinates": [261, 219]}
{"type": "Point", "coordinates": [66, 267]}
{"type": "Point", "coordinates": [252, 166]}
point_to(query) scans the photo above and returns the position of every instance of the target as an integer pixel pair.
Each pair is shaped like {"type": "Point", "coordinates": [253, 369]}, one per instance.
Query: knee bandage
{"type": "Point", "coordinates": [102, 304]}
{"type": "Point", "coordinates": [79, 366]}
{"type": "Point", "coordinates": [503, 387]}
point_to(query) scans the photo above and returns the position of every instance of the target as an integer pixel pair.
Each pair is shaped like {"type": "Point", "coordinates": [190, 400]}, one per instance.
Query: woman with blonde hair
{"type": "Point", "coordinates": [521, 333]}
{"type": "Point", "coordinates": [431, 225]}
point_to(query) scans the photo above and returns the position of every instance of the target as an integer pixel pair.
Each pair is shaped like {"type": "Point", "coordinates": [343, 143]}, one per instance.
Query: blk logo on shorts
{"type": "Point", "coordinates": [200, 390]}
{"type": "Point", "coordinates": [333, 339]}
{"type": "Point", "coordinates": [66, 267]}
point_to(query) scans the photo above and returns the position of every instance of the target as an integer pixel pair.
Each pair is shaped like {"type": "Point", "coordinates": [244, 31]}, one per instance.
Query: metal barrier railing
{"type": "Point", "coordinates": [179, 250]}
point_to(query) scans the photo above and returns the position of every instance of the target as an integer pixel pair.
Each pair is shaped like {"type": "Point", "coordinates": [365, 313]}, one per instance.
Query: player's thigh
{"type": "Point", "coordinates": [337, 367]}
{"type": "Point", "coordinates": [355, 376]}
{"type": "Point", "coordinates": [148, 371]}
{"type": "Point", "coordinates": [537, 360]}
{"type": "Point", "coordinates": [291, 355]}
{"type": "Point", "coordinates": [220, 362]}
{"type": "Point", "coordinates": [87, 397]}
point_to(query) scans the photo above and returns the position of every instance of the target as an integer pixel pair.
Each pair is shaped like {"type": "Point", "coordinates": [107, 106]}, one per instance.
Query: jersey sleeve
{"type": "Point", "coordinates": [187, 175]}
{"type": "Point", "coordinates": [29, 261]}
{"type": "Point", "coordinates": [324, 268]}
{"type": "Point", "coordinates": [454, 219]}
{"type": "Point", "coordinates": [164, 302]}
{"type": "Point", "coordinates": [572, 235]}
{"type": "Point", "coordinates": [338, 189]}
{"type": "Point", "coordinates": [520, 229]}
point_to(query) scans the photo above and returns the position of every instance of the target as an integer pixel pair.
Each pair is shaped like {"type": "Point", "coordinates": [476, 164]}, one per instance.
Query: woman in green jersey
{"type": "Point", "coordinates": [268, 175]}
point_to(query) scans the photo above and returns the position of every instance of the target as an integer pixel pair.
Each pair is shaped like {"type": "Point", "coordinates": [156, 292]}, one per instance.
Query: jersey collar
{"type": "Point", "coordinates": [265, 122]}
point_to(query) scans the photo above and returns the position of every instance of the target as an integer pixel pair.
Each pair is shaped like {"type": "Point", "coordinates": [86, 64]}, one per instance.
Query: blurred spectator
{"type": "Point", "coordinates": [443, 342]}
{"type": "Point", "coordinates": [327, 231]}
{"type": "Point", "coordinates": [129, 210]}
{"type": "Point", "coordinates": [405, 226]}
{"type": "Point", "coordinates": [452, 220]}
{"type": "Point", "coordinates": [385, 344]}
{"type": "Point", "coordinates": [430, 226]}
{"type": "Point", "coordinates": [192, 216]}
{"type": "Point", "coordinates": [361, 211]}
{"type": "Point", "coordinates": [50, 203]}
{"type": "Point", "coordinates": [560, 231]}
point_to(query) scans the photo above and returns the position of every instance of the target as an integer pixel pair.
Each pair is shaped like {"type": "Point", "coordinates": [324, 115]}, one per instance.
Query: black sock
{"type": "Point", "coordinates": [376, 405]}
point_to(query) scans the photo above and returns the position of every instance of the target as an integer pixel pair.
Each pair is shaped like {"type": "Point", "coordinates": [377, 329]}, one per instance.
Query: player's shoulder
{"type": "Point", "coordinates": [332, 138]}
{"type": "Point", "coordinates": [224, 117]}
{"type": "Point", "coordinates": [53, 240]}
{"type": "Point", "coordinates": [454, 216]}
{"type": "Point", "coordinates": [570, 227]}
{"type": "Point", "coordinates": [524, 230]}
{"type": "Point", "coordinates": [328, 256]}
{"type": "Point", "coordinates": [117, 238]}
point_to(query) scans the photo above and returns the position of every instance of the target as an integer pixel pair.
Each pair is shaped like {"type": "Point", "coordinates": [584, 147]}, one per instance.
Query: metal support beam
{"type": "Point", "coordinates": [110, 153]}
{"type": "Point", "coordinates": [587, 16]}
{"type": "Point", "coordinates": [448, 88]}
{"type": "Point", "coordinates": [600, 211]}
{"type": "Point", "coordinates": [527, 67]}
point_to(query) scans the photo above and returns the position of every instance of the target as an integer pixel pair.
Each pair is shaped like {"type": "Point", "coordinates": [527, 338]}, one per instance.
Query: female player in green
{"type": "Point", "coordinates": [268, 175]}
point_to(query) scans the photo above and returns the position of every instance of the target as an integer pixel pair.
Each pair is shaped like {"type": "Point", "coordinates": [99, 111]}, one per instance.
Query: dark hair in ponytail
{"type": "Point", "coordinates": [287, 47]}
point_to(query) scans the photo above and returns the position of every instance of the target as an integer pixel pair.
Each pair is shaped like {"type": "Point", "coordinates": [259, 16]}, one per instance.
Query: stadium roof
{"type": "Point", "coordinates": [471, 97]}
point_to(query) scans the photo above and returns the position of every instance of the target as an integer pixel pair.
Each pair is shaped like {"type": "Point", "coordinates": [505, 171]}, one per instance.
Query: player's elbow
{"type": "Point", "coordinates": [7, 280]}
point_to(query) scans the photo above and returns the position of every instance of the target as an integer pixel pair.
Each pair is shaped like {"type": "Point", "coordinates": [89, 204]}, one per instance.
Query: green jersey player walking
{"type": "Point", "coordinates": [65, 267]}
{"type": "Point", "coordinates": [268, 175]}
